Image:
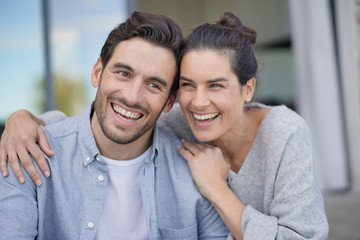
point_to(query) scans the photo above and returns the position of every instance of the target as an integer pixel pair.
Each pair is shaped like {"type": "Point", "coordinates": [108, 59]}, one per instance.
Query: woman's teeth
{"type": "Point", "coordinates": [205, 116]}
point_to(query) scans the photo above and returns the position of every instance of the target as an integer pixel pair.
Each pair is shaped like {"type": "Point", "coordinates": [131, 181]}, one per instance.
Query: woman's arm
{"type": "Point", "coordinates": [210, 170]}
{"type": "Point", "coordinates": [296, 210]}
{"type": "Point", "coordinates": [22, 132]}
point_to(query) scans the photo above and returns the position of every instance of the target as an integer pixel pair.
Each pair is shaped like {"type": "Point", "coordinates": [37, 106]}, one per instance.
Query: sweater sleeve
{"type": "Point", "coordinates": [297, 209]}
{"type": "Point", "coordinates": [52, 116]}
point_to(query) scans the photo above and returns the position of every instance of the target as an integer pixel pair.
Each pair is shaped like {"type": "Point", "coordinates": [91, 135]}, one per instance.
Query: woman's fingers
{"type": "Point", "coordinates": [185, 153]}
{"type": "Point", "coordinates": [14, 162]}
{"type": "Point", "coordinates": [22, 132]}
{"type": "Point", "coordinates": [29, 166]}
{"type": "Point", "coordinates": [39, 157]}
{"type": "Point", "coordinates": [43, 143]}
{"type": "Point", "coordinates": [194, 148]}
{"type": "Point", "coordinates": [3, 161]}
{"type": "Point", "coordinates": [20, 154]}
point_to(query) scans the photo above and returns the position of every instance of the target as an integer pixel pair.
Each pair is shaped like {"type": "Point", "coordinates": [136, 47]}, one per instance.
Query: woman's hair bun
{"type": "Point", "coordinates": [229, 20]}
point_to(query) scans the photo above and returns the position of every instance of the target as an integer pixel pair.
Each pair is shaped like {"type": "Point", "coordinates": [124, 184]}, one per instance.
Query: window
{"type": "Point", "coordinates": [77, 31]}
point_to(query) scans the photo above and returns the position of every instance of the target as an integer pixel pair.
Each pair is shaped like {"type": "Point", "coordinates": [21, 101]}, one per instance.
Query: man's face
{"type": "Point", "coordinates": [133, 90]}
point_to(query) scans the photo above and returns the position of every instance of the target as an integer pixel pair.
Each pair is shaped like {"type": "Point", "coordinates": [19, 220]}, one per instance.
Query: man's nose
{"type": "Point", "coordinates": [134, 91]}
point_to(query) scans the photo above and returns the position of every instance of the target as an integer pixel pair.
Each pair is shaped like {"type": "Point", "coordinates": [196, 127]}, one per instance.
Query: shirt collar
{"type": "Point", "coordinates": [155, 147]}
{"type": "Point", "coordinates": [88, 147]}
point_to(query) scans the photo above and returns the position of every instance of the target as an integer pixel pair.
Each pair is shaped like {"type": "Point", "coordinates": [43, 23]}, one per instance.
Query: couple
{"type": "Point", "coordinates": [118, 173]}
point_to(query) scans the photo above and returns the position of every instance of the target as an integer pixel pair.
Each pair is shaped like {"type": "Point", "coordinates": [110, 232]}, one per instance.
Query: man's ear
{"type": "Point", "coordinates": [96, 73]}
{"type": "Point", "coordinates": [170, 102]}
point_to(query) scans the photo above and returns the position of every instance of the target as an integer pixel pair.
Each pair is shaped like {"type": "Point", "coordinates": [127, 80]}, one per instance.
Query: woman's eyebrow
{"type": "Point", "coordinates": [221, 79]}
{"type": "Point", "coordinates": [185, 79]}
{"type": "Point", "coordinates": [217, 80]}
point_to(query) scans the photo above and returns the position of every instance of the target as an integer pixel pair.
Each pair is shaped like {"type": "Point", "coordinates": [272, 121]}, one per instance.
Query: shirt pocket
{"type": "Point", "coordinates": [183, 233]}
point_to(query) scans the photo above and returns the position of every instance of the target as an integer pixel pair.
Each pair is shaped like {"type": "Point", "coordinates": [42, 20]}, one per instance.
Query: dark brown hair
{"type": "Point", "coordinates": [227, 36]}
{"type": "Point", "coordinates": [157, 29]}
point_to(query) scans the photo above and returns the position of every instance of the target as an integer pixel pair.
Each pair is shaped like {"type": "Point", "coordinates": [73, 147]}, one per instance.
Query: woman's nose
{"type": "Point", "coordinates": [200, 99]}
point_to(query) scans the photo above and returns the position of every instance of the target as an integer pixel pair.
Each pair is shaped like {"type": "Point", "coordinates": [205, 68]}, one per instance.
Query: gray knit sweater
{"type": "Point", "coordinates": [276, 181]}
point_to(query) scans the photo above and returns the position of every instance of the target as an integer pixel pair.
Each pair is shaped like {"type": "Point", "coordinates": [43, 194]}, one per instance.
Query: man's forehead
{"type": "Point", "coordinates": [142, 55]}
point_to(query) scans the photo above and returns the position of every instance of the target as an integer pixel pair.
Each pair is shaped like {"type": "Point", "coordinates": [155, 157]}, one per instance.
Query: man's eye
{"type": "Point", "coordinates": [124, 74]}
{"type": "Point", "coordinates": [154, 85]}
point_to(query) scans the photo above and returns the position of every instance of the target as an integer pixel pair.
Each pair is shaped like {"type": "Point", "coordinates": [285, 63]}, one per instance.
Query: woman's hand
{"type": "Point", "coordinates": [207, 165]}
{"type": "Point", "coordinates": [22, 132]}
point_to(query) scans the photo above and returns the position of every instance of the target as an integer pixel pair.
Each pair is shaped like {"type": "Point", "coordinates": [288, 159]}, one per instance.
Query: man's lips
{"type": "Point", "coordinates": [126, 115]}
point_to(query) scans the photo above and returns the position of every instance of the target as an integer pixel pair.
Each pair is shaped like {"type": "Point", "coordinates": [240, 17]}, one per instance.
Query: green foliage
{"type": "Point", "coordinates": [69, 94]}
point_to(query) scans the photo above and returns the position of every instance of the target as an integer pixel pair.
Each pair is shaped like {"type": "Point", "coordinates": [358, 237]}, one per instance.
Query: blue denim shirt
{"type": "Point", "coordinates": [68, 204]}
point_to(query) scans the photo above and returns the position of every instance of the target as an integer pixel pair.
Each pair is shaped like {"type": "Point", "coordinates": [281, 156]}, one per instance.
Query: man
{"type": "Point", "coordinates": [115, 175]}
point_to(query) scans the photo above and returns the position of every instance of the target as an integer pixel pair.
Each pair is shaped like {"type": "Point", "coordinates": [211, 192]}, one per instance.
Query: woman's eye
{"type": "Point", "coordinates": [216, 85]}
{"type": "Point", "coordinates": [186, 84]}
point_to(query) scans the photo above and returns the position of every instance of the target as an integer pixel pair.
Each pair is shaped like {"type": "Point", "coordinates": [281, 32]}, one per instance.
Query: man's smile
{"type": "Point", "coordinates": [126, 115]}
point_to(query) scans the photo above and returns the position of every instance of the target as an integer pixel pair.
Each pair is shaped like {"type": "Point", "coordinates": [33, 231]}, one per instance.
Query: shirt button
{"type": "Point", "coordinates": [88, 159]}
{"type": "Point", "coordinates": [101, 178]}
{"type": "Point", "coordinates": [90, 225]}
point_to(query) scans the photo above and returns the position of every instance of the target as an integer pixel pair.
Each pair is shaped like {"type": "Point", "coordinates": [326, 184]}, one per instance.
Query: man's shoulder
{"type": "Point", "coordinates": [165, 136]}
{"type": "Point", "coordinates": [63, 128]}
{"type": "Point", "coordinates": [167, 143]}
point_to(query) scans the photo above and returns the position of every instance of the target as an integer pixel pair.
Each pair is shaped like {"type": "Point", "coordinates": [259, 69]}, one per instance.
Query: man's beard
{"type": "Point", "coordinates": [119, 138]}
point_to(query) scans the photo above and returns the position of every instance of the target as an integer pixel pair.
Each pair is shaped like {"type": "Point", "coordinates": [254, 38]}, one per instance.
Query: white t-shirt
{"type": "Point", "coordinates": [123, 215]}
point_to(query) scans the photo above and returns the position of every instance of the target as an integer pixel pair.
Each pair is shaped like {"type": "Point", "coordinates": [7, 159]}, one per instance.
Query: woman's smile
{"type": "Point", "coordinates": [204, 120]}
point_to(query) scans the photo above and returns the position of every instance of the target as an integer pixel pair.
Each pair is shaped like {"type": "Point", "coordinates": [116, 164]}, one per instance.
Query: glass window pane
{"type": "Point", "coordinates": [78, 32]}
{"type": "Point", "coordinates": [21, 56]}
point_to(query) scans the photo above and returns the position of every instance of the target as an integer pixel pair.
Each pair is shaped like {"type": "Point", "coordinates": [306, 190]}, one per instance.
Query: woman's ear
{"type": "Point", "coordinates": [249, 89]}
{"type": "Point", "coordinates": [170, 102]}
{"type": "Point", "coordinates": [96, 73]}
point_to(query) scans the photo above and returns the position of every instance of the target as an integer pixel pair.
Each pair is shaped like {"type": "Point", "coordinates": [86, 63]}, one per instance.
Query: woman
{"type": "Point", "coordinates": [257, 170]}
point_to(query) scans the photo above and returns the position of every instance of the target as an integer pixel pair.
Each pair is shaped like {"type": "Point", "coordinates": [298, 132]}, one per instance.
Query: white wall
{"type": "Point", "coordinates": [318, 94]}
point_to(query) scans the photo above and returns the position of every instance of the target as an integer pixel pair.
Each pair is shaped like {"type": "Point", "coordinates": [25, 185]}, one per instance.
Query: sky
{"type": "Point", "coordinates": [78, 31]}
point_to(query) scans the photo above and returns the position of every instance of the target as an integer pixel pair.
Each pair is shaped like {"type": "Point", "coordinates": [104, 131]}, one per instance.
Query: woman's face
{"type": "Point", "coordinates": [210, 94]}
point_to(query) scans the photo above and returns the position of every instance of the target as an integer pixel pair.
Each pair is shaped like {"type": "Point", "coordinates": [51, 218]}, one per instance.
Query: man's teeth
{"type": "Point", "coordinates": [125, 113]}
{"type": "Point", "coordinates": [205, 116]}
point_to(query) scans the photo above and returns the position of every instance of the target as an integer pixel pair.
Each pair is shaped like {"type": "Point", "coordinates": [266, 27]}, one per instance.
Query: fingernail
{"type": "Point", "coordinates": [37, 182]}
{"type": "Point", "coordinates": [21, 179]}
{"type": "Point", "coordinates": [4, 173]}
{"type": "Point", "coordinates": [47, 173]}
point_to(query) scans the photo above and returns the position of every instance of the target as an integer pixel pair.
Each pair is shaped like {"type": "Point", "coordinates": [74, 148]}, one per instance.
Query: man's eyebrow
{"type": "Point", "coordinates": [159, 80]}
{"type": "Point", "coordinates": [122, 65]}
{"type": "Point", "coordinates": [221, 79]}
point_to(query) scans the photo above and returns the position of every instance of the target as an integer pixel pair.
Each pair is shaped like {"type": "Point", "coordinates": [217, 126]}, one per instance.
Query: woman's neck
{"type": "Point", "coordinates": [237, 142]}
